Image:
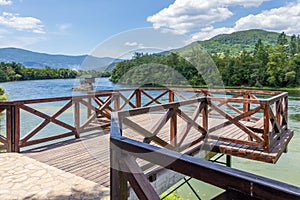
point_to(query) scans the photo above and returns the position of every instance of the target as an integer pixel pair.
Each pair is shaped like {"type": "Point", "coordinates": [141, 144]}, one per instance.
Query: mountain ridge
{"type": "Point", "coordinates": [235, 42]}
{"type": "Point", "coordinates": [40, 60]}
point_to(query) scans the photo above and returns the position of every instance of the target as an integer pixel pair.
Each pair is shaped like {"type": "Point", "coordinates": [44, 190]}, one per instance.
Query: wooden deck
{"type": "Point", "coordinates": [89, 156]}
{"type": "Point", "coordinates": [249, 124]}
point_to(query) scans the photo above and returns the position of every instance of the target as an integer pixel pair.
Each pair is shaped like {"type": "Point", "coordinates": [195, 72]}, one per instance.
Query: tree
{"type": "Point", "coordinates": [293, 46]}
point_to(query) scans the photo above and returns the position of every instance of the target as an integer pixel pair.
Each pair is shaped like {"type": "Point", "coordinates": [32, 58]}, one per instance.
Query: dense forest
{"type": "Point", "coordinates": [17, 72]}
{"type": "Point", "coordinates": [275, 65]}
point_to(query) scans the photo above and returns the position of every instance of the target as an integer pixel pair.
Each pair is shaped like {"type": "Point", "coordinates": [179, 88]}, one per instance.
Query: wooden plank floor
{"type": "Point", "coordinates": [88, 157]}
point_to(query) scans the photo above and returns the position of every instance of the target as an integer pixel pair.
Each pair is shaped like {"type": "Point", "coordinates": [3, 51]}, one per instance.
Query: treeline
{"type": "Point", "coordinates": [17, 72]}
{"type": "Point", "coordinates": [275, 66]}
{"type": "Point", "coordinates": [152, 68]}
{"type": "Point", "coordinates": [269, 65]}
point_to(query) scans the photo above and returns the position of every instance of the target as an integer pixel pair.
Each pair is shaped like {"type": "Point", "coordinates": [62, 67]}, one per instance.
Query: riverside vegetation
{"type": "Point", "coordinates": [267, 65]}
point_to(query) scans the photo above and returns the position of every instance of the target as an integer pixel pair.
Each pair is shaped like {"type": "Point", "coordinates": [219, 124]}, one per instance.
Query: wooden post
{"type": "Point", "coordinates": [89, 110]}
{"type": "Point", "coordinates": [246, 106]}
{"type": "Point", "coordinates": [77, 118]}
{"type": "Point", "coordinates": [138, 98]}
{"type": "Point", "coordinates": [205, 116]}
{"type": "Point", "coordinates": [173, 122]}
{"type": "Point", "coordinates": [266, 128]}
{"type": "Point", "coordinates": [16, 110]}
{"type": "Point", "coordinates": [116, 98]}
{"type": "Point", "coordinates": [171, 96]}
{"type": "Point", "coordinates": [173, 129]}
{"type": "Point", "coordinates": [118, 182]}
{"type": "Point", "coordinates": [9, 129]}
{"type": "Point", "coordinates": [277, 112]}
{"type": "Point", "coordinates": [285, 112]}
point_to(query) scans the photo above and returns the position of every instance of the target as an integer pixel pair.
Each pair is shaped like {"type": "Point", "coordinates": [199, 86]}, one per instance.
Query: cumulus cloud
{"type": "Point", "coordinates": [193, 15]}
{"type": "Point", "coordinates": [17, 22]}
{"type": "Point", "coordinates": [5, 2]}
{"type": "Point", "coordinates": [286, 18]}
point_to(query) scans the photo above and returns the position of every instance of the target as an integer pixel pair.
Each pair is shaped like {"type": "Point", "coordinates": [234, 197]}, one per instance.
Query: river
{"type": "Point", "coordinates": [286, 169]}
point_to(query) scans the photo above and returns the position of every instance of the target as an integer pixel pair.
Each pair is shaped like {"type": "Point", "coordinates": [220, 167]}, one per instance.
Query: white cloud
{"type": "Point", "coordinates": [193, 15]}
{"type": "Point", "coordinates": [17, 22]}
{"type": "Point", "coordinates": [134, 44]}
{"type": "Point", "coordinates": [286, 18]}
{"type": "Point", "coordinates": [5, 2]}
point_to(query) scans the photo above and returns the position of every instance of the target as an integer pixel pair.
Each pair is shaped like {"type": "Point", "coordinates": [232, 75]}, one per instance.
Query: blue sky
{"type": "Point", "coordinates": [75, 27]}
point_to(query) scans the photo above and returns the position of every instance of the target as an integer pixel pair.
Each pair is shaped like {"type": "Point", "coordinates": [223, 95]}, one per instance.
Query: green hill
{"type": "Point", "coordinates": [238, 41]}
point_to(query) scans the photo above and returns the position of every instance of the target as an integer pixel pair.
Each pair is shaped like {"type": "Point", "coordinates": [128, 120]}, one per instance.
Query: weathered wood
{"type": "Point", "coordinates": [117, 177]}
{"type": "Point", "coordinates": [137, 179]}
{"type": "Point", "coordinates": [205, 116]}
{"type": "Point", "coordinates": [117, 102]}
{"type": "Point", "coordinates": [188, 127]}
{"type": "Point", "coordinates": [173, 128]}
{"type": "Point", "coordinates": [246, 106]}
{"type": "Point", "coordinates": [77, 118]}
{"type": "Point", "coordinates": [89, 111]}
{"type": "Point", "coordinates": [9, 128]}
{"type": "Point", "coordinates": [138, 98]}
{"type": "Point", "coordinates": [266, 128]}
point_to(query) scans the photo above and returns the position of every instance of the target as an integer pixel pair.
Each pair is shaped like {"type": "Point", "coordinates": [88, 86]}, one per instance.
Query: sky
{"type": "Point", "coordinates": [76, 27]}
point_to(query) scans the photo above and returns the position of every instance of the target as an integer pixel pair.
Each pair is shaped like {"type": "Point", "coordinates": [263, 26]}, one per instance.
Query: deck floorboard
{"type": "Point", "coordinates": [88, 157]}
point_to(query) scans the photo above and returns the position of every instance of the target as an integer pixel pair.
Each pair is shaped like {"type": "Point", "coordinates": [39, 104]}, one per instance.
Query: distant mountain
{"type": "Point", "coordinates": [239, 41]}
{"type": "Point", "coordinates": [40, 60]}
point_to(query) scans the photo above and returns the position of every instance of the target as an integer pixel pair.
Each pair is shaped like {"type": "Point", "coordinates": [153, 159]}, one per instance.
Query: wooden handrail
{"type": "Point", "coordinates": [240, 184]}
{"type": "Point", "coordinates": [276, 117]}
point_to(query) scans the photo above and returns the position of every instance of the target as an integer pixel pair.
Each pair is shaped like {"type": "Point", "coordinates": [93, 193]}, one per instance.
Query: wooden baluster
{"type": "Point", "coordinates": [173, 121]}
{"type": "Point", "coordinates": [246, 106]}
{"type": "Point", "coordinates": [138, 98]}
{"type": "Point", "coordinates": [205, 116]}
{"type": "Point", "coordinates": [116, 98]}
{"type": "Point", "coordinates": [9, 129]}
{"type": "Point", "coordinates": [285, 112]}
{"type": "Point", "coordinates": [173, 129]}
{"type": "Point", "coordinates": [89, 110]}
{"type": "Point", "coordinates": [16, 128]}
{"type": "Point", "coordinates": [117, 177]}
{"type": "Point", "coordinates": [77, 118]}
{"type": "Point", "coordinates": [266, 128]}
{"type": "Point", "coordinates": [277, 112]}
{"type": "Point", "coordinates": [171, 96]}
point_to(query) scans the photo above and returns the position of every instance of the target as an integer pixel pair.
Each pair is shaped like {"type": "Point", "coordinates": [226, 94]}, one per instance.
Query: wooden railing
{"type": "Point", "coordinates": [17, 113]}
{"type": "Point", "coordinates": [243, 108]}
{"type": "Point", "coordinates": [262, 120]}
{"type": "Point", "coordinates": [235, 183]}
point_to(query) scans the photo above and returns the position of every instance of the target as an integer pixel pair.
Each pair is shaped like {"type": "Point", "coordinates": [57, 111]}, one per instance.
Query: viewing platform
{"type": "Point", "coordinates": [97, 136]}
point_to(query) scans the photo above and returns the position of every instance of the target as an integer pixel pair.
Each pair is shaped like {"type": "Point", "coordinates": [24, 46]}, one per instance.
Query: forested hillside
{"type": "Point", "coordinates": [239, 41]}
{"type": "Point", "coordinates": [17, 72]}
{"type": "Point", "coordinates": [275, 65]}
